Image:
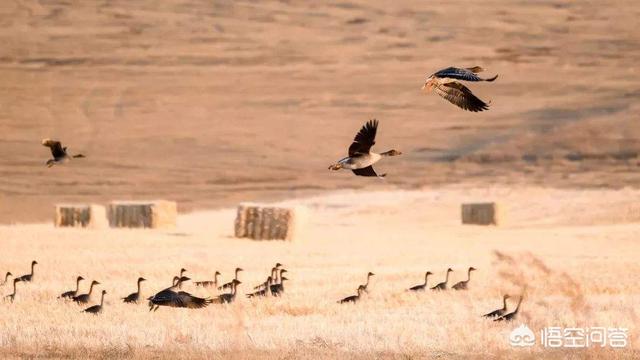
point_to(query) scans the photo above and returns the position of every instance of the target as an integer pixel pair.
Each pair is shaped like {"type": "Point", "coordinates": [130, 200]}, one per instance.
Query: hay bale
{"type": "Point", "coordinates": [480, 213]}
{"type": "Point", "coordinates": [80, 215]}
{"type": "Point", "coordinates": [143, 214]}
{"type": "Point", "coordinates": [260, 222]}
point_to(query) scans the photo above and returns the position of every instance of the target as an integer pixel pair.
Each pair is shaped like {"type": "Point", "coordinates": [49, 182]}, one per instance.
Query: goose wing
{"type": "Point", "coordinates": [365, 138]}
{"type": "Point", "coordinates": [192, 302]}
{"type": "Point", "coordinates": [56, 147]}
{"type": "Point", "coordinates": [367, 171]}
{"type": "Point", "coordinates": [467, 74]}
{"type": "Point", "coordinates": [461, 96]}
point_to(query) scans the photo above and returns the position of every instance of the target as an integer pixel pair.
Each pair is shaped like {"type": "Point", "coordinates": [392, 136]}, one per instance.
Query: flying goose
{"type": "Point", "coordinates": [445, 84]}
{"type": "Point", "coordinates": [58, 152]}
{"type": "Point", "coordinates": [361, 158]}
{"type": "Point", "coordinates": [180, 299]}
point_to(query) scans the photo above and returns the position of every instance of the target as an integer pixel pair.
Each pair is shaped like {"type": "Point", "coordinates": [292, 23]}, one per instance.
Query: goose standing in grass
{"type": "Point", "coordinates": [445, 83]}
{"type": "Point", "coordinates": [265, 289]}
{"type": "Point", "coordinates": [231, 296]}
{"type": "Point", "coordinates": [501, 311]}
{"type": "Point", "coordinates": [134, 297]}
{"type": "Point", "coordinates": [12, 296]}
{"type": "Point", "coordinates": [6, 278]}
{"type": "Point", "coordinates": [361, 158]}
{"type": "Point", "coordinates": [58, 152]}
{"type": "Point", "coordinates": [353, 298]}
{"type": "Point", "coordinates": [179, 299]}
{"type": "Point", "coordinates": [512, 315]}
{"type": "Point", "coordinates": [28, 277]}
{"type": "Point", "coordinates": [421, 287]}
{"type": "Point", "coordinates": [278, 289]}
{"type": "Point", "coordinates": [464, 285]}
{"type": "Point", "coordinates": [96, 309]}
{"type": "Point", "coordinates": [365, 286]}
{"type": "Point", "coordinates": [71, 293]}
{"type": "Point", "coordinates": [84, 298]}
{"type": "Point", "coordinates": [231, 283]}
{"type": "Point", "coordinates": [443, 285]}
{"type": "Point", "coordinates": [209, 283]}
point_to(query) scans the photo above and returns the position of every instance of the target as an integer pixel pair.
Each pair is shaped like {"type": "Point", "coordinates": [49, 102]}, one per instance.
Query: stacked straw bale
{"type": "Point", "coordinates": [143, 214]}
{"type": "Point", "coordinates": [80, 215]}
{"type": "Point", "coordinates": [480, 213]}
{"type": "Point", "coordinates": [261, 222]}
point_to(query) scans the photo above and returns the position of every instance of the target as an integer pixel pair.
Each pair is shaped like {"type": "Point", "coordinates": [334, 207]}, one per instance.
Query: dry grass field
{"type": "Point", "coordinates": [580, 268]}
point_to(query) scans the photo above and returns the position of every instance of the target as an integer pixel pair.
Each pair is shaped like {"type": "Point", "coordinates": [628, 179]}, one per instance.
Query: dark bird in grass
{"type": "Point", "coordinates": [84, 298]}
{"type": "Point", "coordinates": [96, 309]}
{"type": "Point", "coordinates": [231, 283]}
{"type": "Point", "coordinates": [28, 277]}
{"type": "Point", "coordinates": [361, 158]}
{"type": "Point", "coordinates": [209, 283]}
{"type": "Point", "coordinates": [58, 152]}
{"type": "Point", "coordinates": [12, 296]}
{"type": "Point", "coordinates": [266, 288]}
{"type": "Point", "coordinates": [443, 285]}
{"type": "Point", "coordinates": [231, 296]}
{"type": "Point", "coordinates": [512, 315]}
{"type": "Point", "coordinates": [178, 299]}
{"type": "Point", "coordinates": [134, 297]}
{"type": "Point", "coordinates": [71, 293]}
{"type": "Point", "coordinates": [353, 298]}
{"type": "Point", "coordinates": [445, 83]}
{"type": "Point", "coordinates": [6, 277]}
{"type": "Point", "coordinates": [464, 285]}
{"type": "Point", "coordinates": [501, 311]}
{"type": "Point", "coordinates": [421, 287]}
{"type": "Point", "coordinates": [278, 289]}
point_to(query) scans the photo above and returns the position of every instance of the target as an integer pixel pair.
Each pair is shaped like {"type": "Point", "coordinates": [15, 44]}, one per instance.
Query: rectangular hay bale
{"type": "Point", "coordinates": [480, 213]}
{"type": "Point", "coordinates": [143, 214]}
{"type": "Point", "coordinates": [261, 222]}
{"type": "Point", "coordinates": [80, 215]}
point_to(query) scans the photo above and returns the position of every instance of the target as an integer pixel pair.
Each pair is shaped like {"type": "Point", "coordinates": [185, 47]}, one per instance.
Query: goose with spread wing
{"type": "Point", "coordinates": [58, 152]}
{"type": "Point", "coordinates": [445, 83]}
{"type": "Point", "coordinates": [361, 158]}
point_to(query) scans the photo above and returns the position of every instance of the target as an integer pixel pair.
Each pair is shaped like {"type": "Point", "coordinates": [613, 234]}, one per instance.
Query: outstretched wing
{"type": "Point", "coordinates": [367, 171]}
{"type": "Point", "coordinates": [468, 74]}
{"type": "Point", "coordinates": [365, 138]}
{"type": "Point", "coordinates": [55, 146]}
{"type": "Point", "coordinates": [461, 96]}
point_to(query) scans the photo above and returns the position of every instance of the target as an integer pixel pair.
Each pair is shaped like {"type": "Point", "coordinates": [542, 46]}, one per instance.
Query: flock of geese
{"type": "Point", "coordinates": [174, 296]}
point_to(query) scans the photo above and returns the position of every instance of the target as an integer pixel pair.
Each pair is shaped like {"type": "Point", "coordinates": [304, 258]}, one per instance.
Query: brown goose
{"type": "Point", "coordinates": [134, 297]}
{"type": "Point", "coordinates": [365, 286]}
{"type": "Point", "coordinates": [209, 283]}
{"type": "Point", "coordinates": [180, 299]}
{"type": "Point", "coordinates": [12, 296]}
{"type": "Point", "coordinates": [28, 277]}
{"type": "Point", "coordinates": [231, 296]}
{"type": "Point", "coordinates": [353, 298]}
{"type": "Point", "coordinates": [512, 315]}
{"type": "Point", "coordinates": [278, 289]}
{"type": "Point", "coordinates": [58, 152]}
{"type": "Point", "coordinates": [231, 283]}
{"type": "Point", "coordinates": [501, 311]}
{"type": "Point", "coordinates": [6, 278]}
{"type": "Point", "coordinates": [463, 285]}
{"type": "Point", "coordinates": [443, 285]}
{"type": "Point", "coordinates": [361, 158]}
{"type": "Point", "coordinates": [445, 83]}
{"type": "Point", "coordinates": [421, 287]}
{"type": "Point", "coordinates": [71, 293]}
{"type": "Point", "coordinates": [96, 309]}
{"type": "Point", "coordinates": [263, 291]}
{"type": "Point", "coordinates": [84, 298]}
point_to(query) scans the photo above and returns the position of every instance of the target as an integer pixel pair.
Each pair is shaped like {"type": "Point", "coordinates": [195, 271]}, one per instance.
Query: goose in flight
{"type": "Point", "coordinates": [361, 158]}
{"type": "Point", "coordinates": [445, 83]}
{"type": "Point", "coordinates": [58, 152]}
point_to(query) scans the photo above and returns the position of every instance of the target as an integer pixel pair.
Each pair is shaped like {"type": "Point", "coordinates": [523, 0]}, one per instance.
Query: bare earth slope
{"type": "Point", "coordinates": [209, 104]}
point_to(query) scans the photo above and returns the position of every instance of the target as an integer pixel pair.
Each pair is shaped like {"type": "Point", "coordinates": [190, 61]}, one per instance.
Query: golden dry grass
{"type": "Point", "coordinates": [579, 264]}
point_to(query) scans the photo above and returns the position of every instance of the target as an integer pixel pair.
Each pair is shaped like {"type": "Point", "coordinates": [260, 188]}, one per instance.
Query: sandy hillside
{"type": "Point", "coordinates": [579, 268]}
{"type": "Point", "coordinates": [212, 103]}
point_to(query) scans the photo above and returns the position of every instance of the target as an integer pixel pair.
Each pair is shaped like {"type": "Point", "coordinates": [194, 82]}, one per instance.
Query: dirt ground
{"type": "Point", "coordinates": [210, 103]}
